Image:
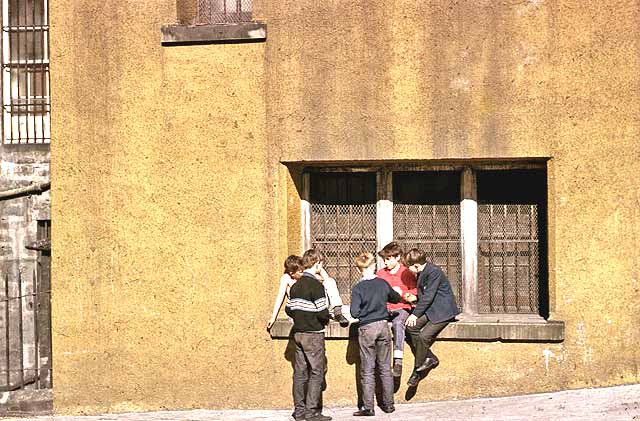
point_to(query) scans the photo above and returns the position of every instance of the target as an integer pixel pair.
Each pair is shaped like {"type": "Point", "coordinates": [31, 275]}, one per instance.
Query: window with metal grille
{"type": "Point", "coordinates": [223, 11]}
{"type": "Point", "coordinates": [25, 72]}
{"type": "Point", "coordinates": [511, 238]}
{"type": "Point", "coordinates": [343, 222]}
{"type": "Point", "coordinates": [426, 215]}
{"type": "Point", "coordinates": [485, 227]}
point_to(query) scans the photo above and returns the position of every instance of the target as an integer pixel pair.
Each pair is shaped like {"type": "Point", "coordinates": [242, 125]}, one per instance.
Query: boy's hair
{"type": "Point", "coordinates": [414, 256]}
{"type": "Point", "coordinates": [392, 249]}
{"type": "Point", "coordinates": [311, 257]}
{"type": "Point", "coordinates": [293, 264]}
{"type": "Point", "coordinates": [364, 260]}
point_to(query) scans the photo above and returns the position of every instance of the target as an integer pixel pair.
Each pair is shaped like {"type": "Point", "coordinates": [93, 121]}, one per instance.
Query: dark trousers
{"type": "Point", "coordinates": [375, 351]}
{"type": "Point", "coordinates": [423, 335]}
{"type": "Point", "coordinates": [308, 373]}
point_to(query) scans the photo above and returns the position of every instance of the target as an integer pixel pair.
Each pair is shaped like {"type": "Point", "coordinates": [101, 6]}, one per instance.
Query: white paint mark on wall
{"type": "Point", "coordinates": [588, 355]}
{"type": "Point", "coordinates": [581, 341]}
{"type": "Point", "coordinates": [547, 354]}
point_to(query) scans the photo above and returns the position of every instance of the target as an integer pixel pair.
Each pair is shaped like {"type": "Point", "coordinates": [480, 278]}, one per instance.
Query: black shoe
{"type": "Point", "coordinates": [364, 413]}
{"type": "Point", "coordinates": [414, 379]}
{"type": "Point", "coordinates": [318, 417]}
{"type": "Point", "coordinates": [397, 367]}
{"type": "Point", "coordinates": [344, 322]}
{"type": "Point", "coordinates": [388, 409]}
{"type": "Point", "coordinates": [428, 365]}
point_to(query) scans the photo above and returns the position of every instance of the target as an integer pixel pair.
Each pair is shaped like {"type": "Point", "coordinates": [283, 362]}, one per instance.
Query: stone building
{"type": "Point", "coordinates": [25, 360]}
{"type": "Point", "coordinates": [196, 144]}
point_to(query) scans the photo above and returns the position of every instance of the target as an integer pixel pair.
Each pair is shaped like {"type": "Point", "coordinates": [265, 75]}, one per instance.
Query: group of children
{"type": "Point", "coordinates": [423, 304]}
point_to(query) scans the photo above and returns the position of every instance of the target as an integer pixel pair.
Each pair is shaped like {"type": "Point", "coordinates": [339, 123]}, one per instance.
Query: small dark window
{"type": "Point", "coordinates": [343, 222]}
{"type": "Point", "coordinates": [25, 76]}
{"type": "Point", "coordinates": [426, 215]}
{"type": "Point", "coordinates": [512, 254]}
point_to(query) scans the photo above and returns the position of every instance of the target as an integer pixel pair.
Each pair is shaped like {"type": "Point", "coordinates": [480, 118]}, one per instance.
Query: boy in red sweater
{"type": "Point", "coordinates": [403, 281]}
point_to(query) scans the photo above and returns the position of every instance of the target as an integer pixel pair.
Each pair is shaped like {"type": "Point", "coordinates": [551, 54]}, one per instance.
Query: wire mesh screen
{"type": "Point", "coordinates": [508, 258]}
{"type": "Point", "coordinates": [224, 11]}
{"type": "Point", "coordinates": [434, 229]}
{"type": "Point", "coordinates": [342, 232]}
{"type": "Point", "coordinates": [25, 72]}
{"type": "Point", "coordinates": [426, 215]}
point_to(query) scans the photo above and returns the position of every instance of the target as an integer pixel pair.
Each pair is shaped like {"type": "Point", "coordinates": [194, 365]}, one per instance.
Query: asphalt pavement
{"type": "Point", "coordinates": [611, 403]}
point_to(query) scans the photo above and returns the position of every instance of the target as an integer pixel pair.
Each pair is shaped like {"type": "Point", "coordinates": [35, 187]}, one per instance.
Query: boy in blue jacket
{"type": "Point", "coordinates": [369, 300]}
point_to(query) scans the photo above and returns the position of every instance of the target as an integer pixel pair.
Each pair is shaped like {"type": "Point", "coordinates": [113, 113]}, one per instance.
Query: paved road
{"type": "Point", "coordinates": [612, 403]}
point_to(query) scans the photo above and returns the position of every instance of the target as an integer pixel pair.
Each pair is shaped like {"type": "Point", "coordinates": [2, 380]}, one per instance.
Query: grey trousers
{"type": "Point", "coordinates": [397, 327]}
{"type": "Point", "coordinates": [375, 351]}
{"type": "Point", "coordinates": [308, 373]}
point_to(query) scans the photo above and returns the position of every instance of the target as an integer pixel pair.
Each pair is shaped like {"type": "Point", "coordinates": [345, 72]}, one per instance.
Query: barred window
{"type": "Point", "coordinates": [426, 215]}
{"type": "Point", "coordinates": [485, 227]}
{"type": "Point", "coordinates": [223, 11]}
{"type": "Point", "coordinates": [25, 72]}
{"type": "Point", "coordinates": [343, 222]}
{"type": "Point", "coordinates": [511, 222]}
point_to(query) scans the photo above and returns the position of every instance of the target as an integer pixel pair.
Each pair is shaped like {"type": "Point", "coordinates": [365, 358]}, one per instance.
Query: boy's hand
{"type": "Point", "coordinates": [323, 274]}
{"type": "Point", "coordinates": [409, 297]}
{"type": "Point", "coordinates": [269, 324]}
{"type": "Point", "coordinates": [411, 320]}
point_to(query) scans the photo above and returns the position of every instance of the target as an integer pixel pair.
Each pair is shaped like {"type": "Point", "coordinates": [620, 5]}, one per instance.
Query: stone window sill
{"type": "Point", "coordinates": [214, 34]}
{"type": "Point", "coordinates": [479, 328]}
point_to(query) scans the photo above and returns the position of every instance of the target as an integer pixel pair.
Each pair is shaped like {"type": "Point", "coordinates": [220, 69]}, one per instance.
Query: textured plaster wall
{"type": "Point", "coordinates": [163, 219]}
{"type": "Point", "coordinates": [350, 81]}
{"type": "Point", "coordinates": [173, 214]}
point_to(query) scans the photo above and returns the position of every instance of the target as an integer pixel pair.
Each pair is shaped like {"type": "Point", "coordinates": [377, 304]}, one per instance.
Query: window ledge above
{"type": "Point", "coordinates": [214, 34]}
{"type": "Point", "coordinates": [485, 328]}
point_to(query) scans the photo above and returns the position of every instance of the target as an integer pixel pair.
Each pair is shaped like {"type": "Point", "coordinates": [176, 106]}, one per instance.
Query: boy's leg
{"type": "Point", "coordinates": [335, 301]}
{"type": "Point", "coordinates": [314, 351]}
{"type": "Point", "coordinates": [300, 379]}
{"type": "Point", "coordinates": [366, 340]}
{"type": "Point", "coordinates": [418, 344]}
{"type": "Point", "coordinates": [397, 326]}
{"type": "Point", "coordinates": [383, 362]}
{"type": "Point", "coordinates": [427, 337]}
{"type": "Point", "coordinates": [423, 335]}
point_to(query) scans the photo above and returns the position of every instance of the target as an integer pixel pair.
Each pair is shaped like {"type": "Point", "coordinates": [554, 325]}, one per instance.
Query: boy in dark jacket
{"type": "Point", "coordinates": [369, 300]}
{"type": "Point", "coordinates": [307, 306]}
{"type": "Point", "coordinates": [435, 309]}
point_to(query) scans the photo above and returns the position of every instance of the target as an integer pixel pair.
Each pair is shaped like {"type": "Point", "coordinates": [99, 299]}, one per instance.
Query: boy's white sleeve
{"type": "Point", "coordinates": [332, 292]}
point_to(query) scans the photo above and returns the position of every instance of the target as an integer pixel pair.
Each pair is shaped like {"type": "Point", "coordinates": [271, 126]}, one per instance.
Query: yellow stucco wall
{"type": "Point", "coordinates": [172, 213]}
